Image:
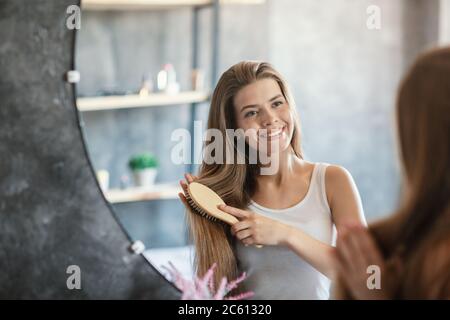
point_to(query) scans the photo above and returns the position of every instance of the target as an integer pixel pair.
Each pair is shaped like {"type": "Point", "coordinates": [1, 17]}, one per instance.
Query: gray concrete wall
{"type": "Point", "coordinates": [421, 28]}
{"type": "Point", "coordinates": [52, 214]}
{"type": "Point", "coordinates": [344, 78]}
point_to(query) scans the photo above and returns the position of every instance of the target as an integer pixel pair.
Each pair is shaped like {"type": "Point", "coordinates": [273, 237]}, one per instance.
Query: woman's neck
{"type": "Point", "coordinates": [288, 164]}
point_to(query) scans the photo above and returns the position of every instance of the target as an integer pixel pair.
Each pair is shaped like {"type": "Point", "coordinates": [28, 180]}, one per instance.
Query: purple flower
{"type": "Point", "coordinates": [203, 288]}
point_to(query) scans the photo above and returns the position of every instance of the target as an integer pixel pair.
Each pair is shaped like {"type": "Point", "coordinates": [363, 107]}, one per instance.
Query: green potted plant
{"type": "Point", "coordinates": [144, 167]}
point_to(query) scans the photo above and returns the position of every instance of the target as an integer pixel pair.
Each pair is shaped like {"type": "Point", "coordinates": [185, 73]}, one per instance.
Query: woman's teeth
{"type": "Point", "coordinates": [273, 133]}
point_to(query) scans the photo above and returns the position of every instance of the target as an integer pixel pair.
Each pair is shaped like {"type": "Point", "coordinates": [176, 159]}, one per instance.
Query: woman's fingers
{"type": "Point", "coordinates": [239, 226]}
{"type": "Point", "coordinates": [248, 241]}
{"type": "Point", "coordinates": [359, 256]}
{"type": "Point", "coordinates": [355, 252]}
{"type": "Point", "coordinates": [363, 251]}
{"type": "Point", "coordinates": [183, 185]}
{"type": "Point", "coordinates": [183, 199]}
{"type": "Point", "coordinates": [368, 247]}
{"type": "Point", "coordinates": [190, 178]}
{"type": "Point", "coordinates": [238, 213]}
{"type": "Point", "coordinates": [344, 270]}
{"type": "Point", "coordinates": [241, 235]}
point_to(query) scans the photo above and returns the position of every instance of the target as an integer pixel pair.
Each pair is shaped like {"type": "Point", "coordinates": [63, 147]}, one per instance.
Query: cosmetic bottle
{"type": "Point", "coordinates": [167, 80]}
{"type": "Point", "coordinates": [162, 80]}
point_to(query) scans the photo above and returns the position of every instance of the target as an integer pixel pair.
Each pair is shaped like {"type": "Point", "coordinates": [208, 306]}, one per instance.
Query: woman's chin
{"type": "Point", "coordinates": [275, 149]}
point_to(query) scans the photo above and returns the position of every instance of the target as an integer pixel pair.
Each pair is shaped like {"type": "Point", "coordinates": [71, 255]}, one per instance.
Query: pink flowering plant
{"type": "Point", "coordinates": [203, 288]}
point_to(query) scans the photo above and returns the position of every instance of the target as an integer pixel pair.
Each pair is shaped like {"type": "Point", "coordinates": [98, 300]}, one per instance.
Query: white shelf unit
{"type": "Point", "coordinates": [156, 192]}
{"type": "Point", "coordinates": [136, 101]}
{"type": "Point", "coordinates": [154, 4]}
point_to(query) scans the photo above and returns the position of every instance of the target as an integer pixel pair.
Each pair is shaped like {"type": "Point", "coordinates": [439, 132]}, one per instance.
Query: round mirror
{"type": "Point", "coordinates": [148, 69]}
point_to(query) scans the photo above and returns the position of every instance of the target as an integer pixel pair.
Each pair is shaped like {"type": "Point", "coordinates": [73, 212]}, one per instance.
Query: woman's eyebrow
{"type": "Point", "coordinates": [255, 105]}
{"type": "Point", "coordinates": [276, 97]}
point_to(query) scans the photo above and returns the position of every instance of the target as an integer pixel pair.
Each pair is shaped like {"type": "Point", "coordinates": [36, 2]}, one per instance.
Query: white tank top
{"type": "Point", "coordinates": [275, 272]}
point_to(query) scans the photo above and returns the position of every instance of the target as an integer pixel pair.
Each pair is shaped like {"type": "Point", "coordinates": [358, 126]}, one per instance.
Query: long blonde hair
{"type": "Point", "coordinates": [234, 183]}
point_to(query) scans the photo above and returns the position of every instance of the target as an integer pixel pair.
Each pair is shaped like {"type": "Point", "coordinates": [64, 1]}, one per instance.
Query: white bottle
{"type": "Point", "coordinates": [162, 80]}
{"type": "Point", "coordinates": [173, 86]}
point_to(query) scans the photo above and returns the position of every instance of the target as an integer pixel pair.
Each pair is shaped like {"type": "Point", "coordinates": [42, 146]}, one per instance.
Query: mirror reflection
{"type": "Point", "coordinates": [311, 85]}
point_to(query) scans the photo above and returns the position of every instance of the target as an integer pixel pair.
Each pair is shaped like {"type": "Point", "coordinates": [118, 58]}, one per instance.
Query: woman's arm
{"type": "Point", "coordinates": [313, 251]}
{"type": "Point", "coordinates": [343, 198]}
{"type": "Point", "coordinates": [346, 208]}
{"type": "Point", "coordinates": [255, 229]}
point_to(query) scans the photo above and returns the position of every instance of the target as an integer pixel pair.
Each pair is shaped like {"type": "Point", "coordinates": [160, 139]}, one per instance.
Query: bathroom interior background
{"type": "Point", "coordinates": [343, 77]}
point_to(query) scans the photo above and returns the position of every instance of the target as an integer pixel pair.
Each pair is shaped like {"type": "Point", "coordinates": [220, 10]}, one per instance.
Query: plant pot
{"type": "Point", "coordinates": [145, 177]}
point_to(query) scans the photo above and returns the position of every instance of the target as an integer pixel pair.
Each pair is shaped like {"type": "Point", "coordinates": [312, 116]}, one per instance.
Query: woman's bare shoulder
{"type": "Point", "coordinates": [336, 173]}
{"type": "Point", "coordinates": [338, 180]}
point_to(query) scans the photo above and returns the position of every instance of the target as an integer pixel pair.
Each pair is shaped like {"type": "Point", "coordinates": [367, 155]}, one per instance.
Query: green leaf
{"type": "Point", "coordinates": [143, 161]}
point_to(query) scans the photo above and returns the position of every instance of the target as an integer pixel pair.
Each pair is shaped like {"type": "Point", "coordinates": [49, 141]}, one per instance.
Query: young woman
{"type": "Point", "coordinates": [292, 212]}
{"type": "Point", "coordinates": [411, 248]}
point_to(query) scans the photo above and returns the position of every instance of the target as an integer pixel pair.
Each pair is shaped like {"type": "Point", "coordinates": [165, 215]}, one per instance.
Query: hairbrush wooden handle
{"type": "Point", "coordinates": [205, 202]}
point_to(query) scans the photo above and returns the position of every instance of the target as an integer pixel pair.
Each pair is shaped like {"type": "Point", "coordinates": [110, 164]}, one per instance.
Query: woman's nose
{"type": "Point", "coordinates": [269, 118]}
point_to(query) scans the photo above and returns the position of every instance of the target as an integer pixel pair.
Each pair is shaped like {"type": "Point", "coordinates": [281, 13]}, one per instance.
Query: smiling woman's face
{"type": "Point", "coordinates": [262, 107]}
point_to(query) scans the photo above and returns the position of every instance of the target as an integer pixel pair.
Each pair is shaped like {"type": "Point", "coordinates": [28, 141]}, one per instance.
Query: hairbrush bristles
{"type": "Point", "coordinates": [195, 208]}
{"type": "Point", "coordinates": [204, 201]}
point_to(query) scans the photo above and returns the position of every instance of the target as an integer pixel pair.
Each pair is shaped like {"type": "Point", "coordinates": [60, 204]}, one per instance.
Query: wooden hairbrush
{"type": "Point", "coordinates": [204, 201]}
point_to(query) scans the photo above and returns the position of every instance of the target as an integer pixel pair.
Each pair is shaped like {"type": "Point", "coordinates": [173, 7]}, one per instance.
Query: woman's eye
{"type": "Point", "coordinates": [277, 103]}
{"type": "Point", "coordinates": [250, 114]}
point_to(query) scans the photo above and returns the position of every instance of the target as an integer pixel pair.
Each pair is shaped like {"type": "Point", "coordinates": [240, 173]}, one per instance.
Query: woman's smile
{"type": "Point", "coordinates": [273, 133]}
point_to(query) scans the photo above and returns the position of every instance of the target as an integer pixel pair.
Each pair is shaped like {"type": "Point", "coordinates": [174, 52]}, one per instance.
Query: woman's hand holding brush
{"type": "Point", "coordinates": [208, 196]}
{"type": "Point", "coordinates": [255, 229]}
{"type": "Point", "coordinates": [184, 184]}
